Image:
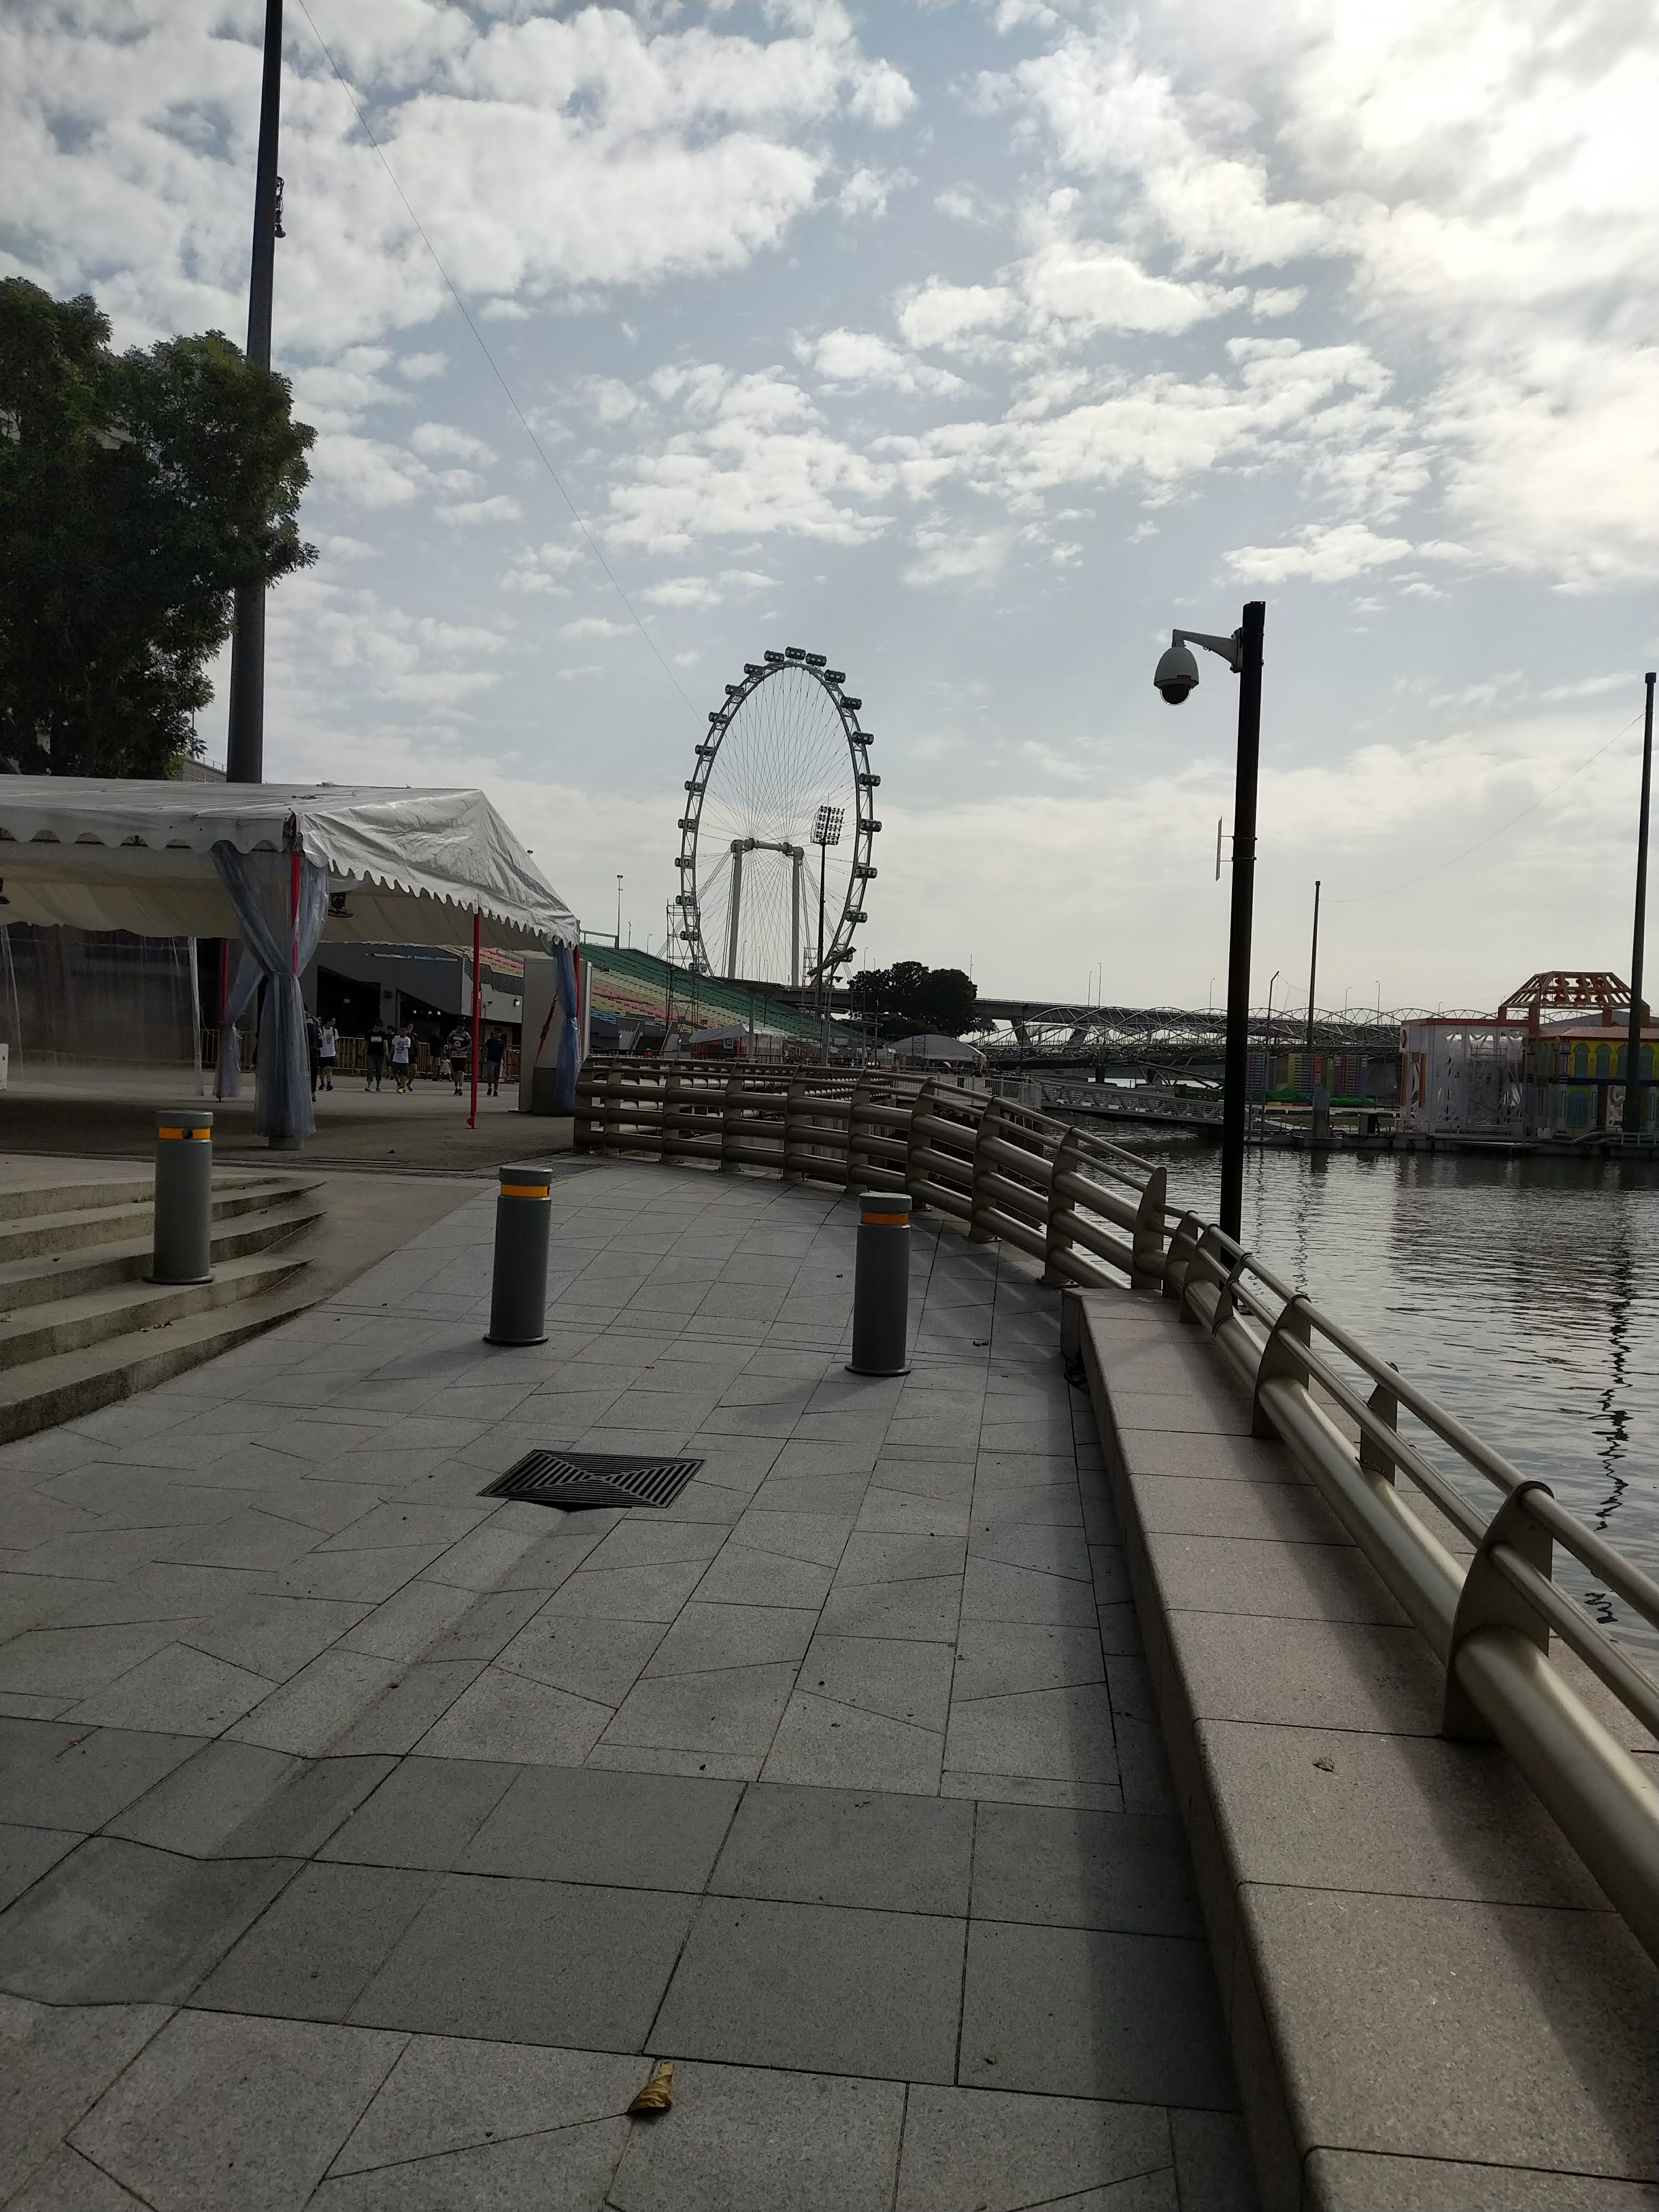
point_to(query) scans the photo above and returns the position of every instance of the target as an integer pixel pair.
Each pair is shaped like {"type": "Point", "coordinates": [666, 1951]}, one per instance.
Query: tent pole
{"type": "Point", "coordinates": [478, 932]}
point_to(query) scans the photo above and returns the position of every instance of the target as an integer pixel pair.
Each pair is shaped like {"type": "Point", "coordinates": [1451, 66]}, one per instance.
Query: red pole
{"type": "Point", "coordinates": [477, 932]}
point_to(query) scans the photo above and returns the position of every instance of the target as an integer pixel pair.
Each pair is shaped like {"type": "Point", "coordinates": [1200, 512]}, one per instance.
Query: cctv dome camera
{"type": "Point", "coordinates": [1177, 674]}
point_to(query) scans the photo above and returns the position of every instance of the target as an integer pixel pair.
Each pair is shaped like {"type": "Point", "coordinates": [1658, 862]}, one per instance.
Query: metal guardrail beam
{"type": "Point", "coordinates": [1096, 1214]}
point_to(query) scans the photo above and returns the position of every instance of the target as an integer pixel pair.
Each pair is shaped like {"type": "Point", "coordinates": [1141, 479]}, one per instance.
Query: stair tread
{"type": "Point", "coordinates": [36, 1378]}
{"type": "Point", "coordinates": [35, 1265]}
{"type": "Point", "coordinates": [227, 1193]}
{"type": "Point", "coordinates": [136, 1293]}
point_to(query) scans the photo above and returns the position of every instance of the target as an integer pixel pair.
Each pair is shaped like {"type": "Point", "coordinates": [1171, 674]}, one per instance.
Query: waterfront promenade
{"type": "Point", "coordinates": [372, 1836]}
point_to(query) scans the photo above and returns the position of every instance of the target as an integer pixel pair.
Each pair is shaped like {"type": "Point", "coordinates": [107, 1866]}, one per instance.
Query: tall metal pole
{"type": "Point", "coordinates": [478, 955]}
{"type": "Point", "coordinates": [1313, 972]}
{"type": "Point", "coordinates": [245, 741]}
{"type": "Point", "coordinates": [1233, 1103]}
{"type": "Point", "coordinates": [1633, 1044]}
{"type": "Point", "coordinates": [823, 1016]}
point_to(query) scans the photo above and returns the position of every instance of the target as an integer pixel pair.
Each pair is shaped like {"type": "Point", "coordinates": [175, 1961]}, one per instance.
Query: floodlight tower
{"type": "Point", "coordinates": [826, 832]}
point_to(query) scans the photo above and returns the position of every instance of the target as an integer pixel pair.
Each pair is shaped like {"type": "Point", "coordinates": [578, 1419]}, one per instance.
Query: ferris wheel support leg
{"type": "Point", "coordinates": [797, 891]}
{"type": "Point", "coordinates": [737, 908]}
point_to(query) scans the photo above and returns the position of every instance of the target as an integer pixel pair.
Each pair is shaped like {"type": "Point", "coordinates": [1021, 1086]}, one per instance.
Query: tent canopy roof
{"type": "Point", "coordinates": [409, 866]}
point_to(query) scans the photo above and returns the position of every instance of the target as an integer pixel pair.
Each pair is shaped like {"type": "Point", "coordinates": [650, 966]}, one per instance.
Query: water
{"type": "Point", "coordinates": [1523, 1294]}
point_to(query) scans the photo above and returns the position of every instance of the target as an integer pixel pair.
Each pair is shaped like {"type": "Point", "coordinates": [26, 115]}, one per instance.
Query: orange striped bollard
{"type": "Point", "coordinates": [881, 1286]}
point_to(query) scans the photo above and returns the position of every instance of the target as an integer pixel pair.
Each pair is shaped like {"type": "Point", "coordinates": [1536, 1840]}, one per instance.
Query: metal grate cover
{"type": "Point", "coordinates": [577, 1478]}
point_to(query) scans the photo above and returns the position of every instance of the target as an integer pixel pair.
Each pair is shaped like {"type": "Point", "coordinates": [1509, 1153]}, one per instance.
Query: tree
{"type": "Point", "coordinates": [138, 491]}
{"type": "Point", "coordinates": [910, 997]}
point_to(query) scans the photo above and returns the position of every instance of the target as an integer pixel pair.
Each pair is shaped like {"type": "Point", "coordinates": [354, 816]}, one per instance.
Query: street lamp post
{"type": "Point", "coordinates": [1176, 675]}
{"type": "Point", "coordinates": [1313, 976]}
{"type": "Point", "coordinates": [1632, 1118]}
{"type": "Point", "coordinates": [826, 832]}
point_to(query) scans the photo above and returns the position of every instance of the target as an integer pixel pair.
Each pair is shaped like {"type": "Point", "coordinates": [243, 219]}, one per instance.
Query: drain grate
{"type": "Point", "coordinates": [574, 1478]}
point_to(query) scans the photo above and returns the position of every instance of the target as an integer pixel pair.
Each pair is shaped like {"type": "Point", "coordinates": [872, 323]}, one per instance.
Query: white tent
{"type": "Point", "coordinates": [404, 865]}
{"type": "Point", "coordinates": [928, 1048]}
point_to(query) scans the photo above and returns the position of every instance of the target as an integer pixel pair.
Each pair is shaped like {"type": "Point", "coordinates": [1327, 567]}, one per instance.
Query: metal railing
{"type": "Point", "coordinates": [1096, 1215]}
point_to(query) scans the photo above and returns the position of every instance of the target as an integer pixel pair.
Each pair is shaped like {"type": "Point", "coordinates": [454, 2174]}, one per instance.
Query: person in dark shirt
{"type": "Point", "coordinates": [494, 1053]}
{"type": "Point", "coordinates": [375, 1055]}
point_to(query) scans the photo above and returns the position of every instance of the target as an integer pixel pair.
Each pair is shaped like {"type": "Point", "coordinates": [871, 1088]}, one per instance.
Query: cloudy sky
{"type": "Point", "coordinates": [974, 346]}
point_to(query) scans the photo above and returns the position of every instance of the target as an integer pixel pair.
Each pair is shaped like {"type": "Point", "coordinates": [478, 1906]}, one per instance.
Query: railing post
{"type": "Point", "coordinates": [582, 1139]}
{"type": "Point", "coordinates": [730, 1111]}
{"type": "Point", "coordinates": [1281, 1358]}
{"type": "Point", "coordinates": [980, 1205]}
{"type": "Point", "coordinates": [671, 1113]}
{"type": "Point", "coordinates": [613, 1109]}
{"type": "Point", "coordinates": [1183, 1247]}
{"type": "Point", "coordinates": [1375, 1458]}
{"type": "Point", "coordinates": [915, 1140]}
{"type": "Point", "coordinates": [793, 1114]}
{"type": "Point", "coordinates": [1490, 1600]}
{"type": "Point", "coordinates": [857, 1166]}
{"type": "Point", "coordinates": [1068, 1154]}
{"type": "Point", "coordinates": [1148, 1274]}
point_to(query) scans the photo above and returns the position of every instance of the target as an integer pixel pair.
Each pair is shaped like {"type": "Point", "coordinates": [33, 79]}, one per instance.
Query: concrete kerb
{"type": "Point", "coordinates": [1456, 2055]}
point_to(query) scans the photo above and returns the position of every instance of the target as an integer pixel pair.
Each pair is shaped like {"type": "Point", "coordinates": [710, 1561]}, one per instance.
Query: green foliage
{"type": "Point", "coordinates": [910, 997]}
{"type": "Point", "coordinates": [138, 491]}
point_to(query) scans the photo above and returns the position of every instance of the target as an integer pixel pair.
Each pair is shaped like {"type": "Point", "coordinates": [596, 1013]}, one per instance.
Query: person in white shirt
{"type": "Point", "coordinates": [403, 1058]}
{"type": "Point", "coordinates": [328, 1049]}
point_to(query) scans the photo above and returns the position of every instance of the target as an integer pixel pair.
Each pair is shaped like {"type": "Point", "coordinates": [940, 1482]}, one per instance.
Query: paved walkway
{"type": "Point", "coordinates": [371, 1834]}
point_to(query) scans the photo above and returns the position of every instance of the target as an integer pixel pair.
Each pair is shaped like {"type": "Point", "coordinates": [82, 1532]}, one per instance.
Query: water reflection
{"type": "Point", "coordinates": [1523, 1293]}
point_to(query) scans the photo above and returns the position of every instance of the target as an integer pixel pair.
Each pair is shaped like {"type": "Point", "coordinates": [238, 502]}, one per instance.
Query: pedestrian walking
{"type": "Point", "coordinates": [494, 1053]}
{"type": "Point", "coordinates": [313, 1050]}
{"type": "Point", "coordinates": [457, 1050]}
{"type": "Point", "coordinates": [328, 1051]}
{"type": "Point", "coordinates": [375, 1056]}
{"type": "Point", "coordinates": [403, 1057]}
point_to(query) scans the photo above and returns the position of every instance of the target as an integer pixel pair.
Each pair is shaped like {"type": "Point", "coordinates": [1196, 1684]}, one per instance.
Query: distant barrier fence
{"type": "Point", "coordinates": [351, 1057]}
{"type": "Point", "coordinates": [1096, 1215]}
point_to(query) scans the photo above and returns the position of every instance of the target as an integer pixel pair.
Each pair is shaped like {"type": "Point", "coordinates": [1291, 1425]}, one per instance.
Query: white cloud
{"type": "Point", "coordinates": [1326, 555]}
{"type": "Point", "coordinates": [1096, 288]}
{"type": "Point", "coordinates": [467, 513]}
{"type": "Point", "coordinates": [941, 314]}
{"type": "Point", "coordinates": [422, 367]}
{"type": "Point", "coordinates": [593, 626]}
{"type": "Point", "coordinates": [435, 440]}
{"type": "Point", "coordinates": [857, 361]}
{"type": "Point", "coordinates": [681, 592]}
{"type": "Point", "coordinates": [866, 191]}
{"type": "Point", "coordinates": [537, 569]}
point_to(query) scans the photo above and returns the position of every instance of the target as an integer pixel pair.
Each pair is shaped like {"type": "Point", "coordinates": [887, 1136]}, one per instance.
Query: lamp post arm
{"type": "Point", "coordinates": [1230, 649]}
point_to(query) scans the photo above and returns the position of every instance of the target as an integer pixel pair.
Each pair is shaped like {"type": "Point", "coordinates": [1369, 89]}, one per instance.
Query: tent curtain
{"type": "Point", "coordinates": [564, 1095]}
{"type": "Point", "coordinates": [277, 948]}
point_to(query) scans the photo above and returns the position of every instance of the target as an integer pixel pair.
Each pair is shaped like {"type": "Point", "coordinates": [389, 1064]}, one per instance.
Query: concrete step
{"type": "Point", "coordinates": [24, 1203]}
{"type": "Point", "coordinates": [41, 1392]}
{"type": "Point", "coordinates": [40, 1278]}
{"type": "Point", "coordinates": [73, 1226]}
{"type": "Point", "coordinates": [70, 1324]}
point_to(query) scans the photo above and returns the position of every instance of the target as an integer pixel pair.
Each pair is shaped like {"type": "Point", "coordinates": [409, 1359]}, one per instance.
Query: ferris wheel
{"type": "Point", "coordinates": [768, 872]}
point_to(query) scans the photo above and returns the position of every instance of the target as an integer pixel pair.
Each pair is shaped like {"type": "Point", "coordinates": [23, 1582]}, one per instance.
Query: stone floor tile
{"type": "Point", "coordinates": [1370, 2183]}
{"type": "Point", "coordinates": [118, 1924]}
{"type": "Point", "coordinates": [1002, 2152]}
{"type": "Point", "coordinates": [994, 1658]}
{"type": "Point", "coordinates": [1078, 2012]}
{"type": "Point", "coordinates": [600, 1660]}
{"type": "Point", "coordinates": [68, 2183]}
{"type": "Point", "coordinates": [1045, 1548]}
{"type": "Point", "coordinates": [55, 2061]}
{"type": "Point", "coordinates": [871, 1558]}
{"type": "Point", "coordinates": [532, 1962]}
{"type": "Point", "coordinates": [894, 1510]}
{"type": "Point", "coordinates": [821, 1988]}
{"type": "Point", "coordinates": [642, 1540]}
{"type": "Point", "coordinates": [636, 1831]}
{"type": "Point", "coordinates": [651, 1759]}
{"type": "Point", "coordinates": [838, 1746]}
{"type": "Point", "coordinates": [240, 1801]}
{"type": "Point", "coordinates": [410, 1619]}
{"type": "Point", "coordinates": [308, 1715]}
{"type": "Point", "coordinates": [1081, 1869]}
{"type": "Point", "coordinates": [569, 2170]}
{"type": "Point", "coordinates": [992, 1591]}
{"type": "Point", "coordinates": [220, 2111]}
{"type": "Point", "coordinates": [424, 1814]}
{"type": "Point", "coordinates": [510, 1716]}
{"type": "Point", "coordinates": [1312, 1674]}
{"type": "Point", "coordinates": [447, 2095]}
{"type": "Point", "coordinates": [487, 1627]}
{"type": "Point", "coordinates": [654, 1593]}
{"type": "Point", "coordinates": [752, 2136]}
{"type": "Point", "coordinates": [409, 1705]}
{"type": "Point", "coordinates": [180, 1690]}
{"type": "Point", "coordinates": [732, 1709]}
{"type": "Point", "coordinates": [368, 1576]}
{"type": "Point", "coordinates": [1051, 1735]}
{"type": "Point", "coordinates": [27, 1853]}
{"type": "Point", "coordinates": [311, 1953]}
{"type": "Point", "coordinates": [273, 1636]}
{"type": "Point", "coordinates": [74, 1663]}
{"type": "Point", "coordinates": [741, 1576]}
{"type": "Point", "coordinates": [919, 1611]}
{"type": "Point", "coordinates": [1022, 1790]}
{"type": "Point", "coordinates": [870, 1848]}
{"type": "Point", "coordinates": [907, 1682]}
{"type": "Point", "coordinates": [818, 1537]}
{"type": "Point", "coordinates": [713, 1636]}
{"type": "Point", "coordinates": [1213, 2172]}
{"type": "Point", "coordinates": [62, 1778]}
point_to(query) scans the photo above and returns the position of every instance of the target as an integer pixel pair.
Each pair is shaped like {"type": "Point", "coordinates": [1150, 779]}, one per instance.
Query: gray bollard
{"type": "Point", "coordinates": [881, 1286]}
{"type": "Point", "coordinates": [182, 1249]}
{"type": "Point", "coordinates": [517, 1298]}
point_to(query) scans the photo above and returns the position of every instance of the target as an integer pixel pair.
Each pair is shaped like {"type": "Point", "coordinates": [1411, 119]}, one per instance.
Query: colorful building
{"type": "Point", "coordinates": [1530, 1069]}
